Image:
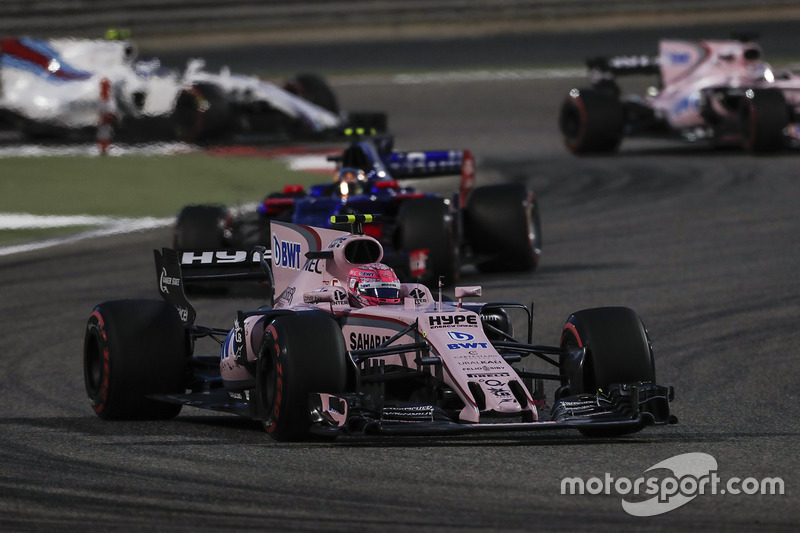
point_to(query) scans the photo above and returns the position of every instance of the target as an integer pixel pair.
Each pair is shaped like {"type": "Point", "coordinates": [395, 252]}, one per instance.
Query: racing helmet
{"type": "Point", "coordinates": [373, 284]}
{"type": "Point", "coordinates": [350, 180]}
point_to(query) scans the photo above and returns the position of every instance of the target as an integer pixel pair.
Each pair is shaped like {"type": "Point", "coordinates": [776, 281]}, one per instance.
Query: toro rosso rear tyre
{"type": "Point", "coordinates": [764, 115]}
{"type": "Point", "coordinates": [202, 227]}
{"type": "Point", "coordinates": [618, 351]}
{"type": "Point", "coordinates": [426, 224]}
{"type": "Point", "coordinates": [303, 353]}
{"type": "Point", "coordinates": [591, 121]}
{"type": "Point", "coordinates": [132, 349]}
{"type": "Point", "coordinates": [503, 226]}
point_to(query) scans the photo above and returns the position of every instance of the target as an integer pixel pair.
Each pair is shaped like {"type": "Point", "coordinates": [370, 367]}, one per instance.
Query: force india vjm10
{"type": "Point", "coordinates": [384, 358]}
{"type": "Point", "coordinates": [722, 92]}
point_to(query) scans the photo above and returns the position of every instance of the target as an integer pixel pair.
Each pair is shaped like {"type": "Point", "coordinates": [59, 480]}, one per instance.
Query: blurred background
{"type": "Point", "coordinates": [161, 24]}
{"type": "Point", "coordinates": [702, 242]}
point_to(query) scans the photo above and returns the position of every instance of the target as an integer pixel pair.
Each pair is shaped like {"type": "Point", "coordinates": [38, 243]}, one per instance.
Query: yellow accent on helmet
{"type": "Point", "coordinates": [117, 34]}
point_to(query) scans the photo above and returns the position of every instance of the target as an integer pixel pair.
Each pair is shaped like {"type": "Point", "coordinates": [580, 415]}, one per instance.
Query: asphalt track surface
{"type": "Point", "coordinates": [703, 244]}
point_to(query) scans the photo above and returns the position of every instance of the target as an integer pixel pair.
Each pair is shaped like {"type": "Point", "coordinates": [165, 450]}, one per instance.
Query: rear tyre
{"type": "Point", "coordinates": [764, 115]}
{"type": "Point", "coordinates": [293, 364]}
{"type": "Point", "coordinates": [202, 113]}
{"type": "Point", "coordinates": [426, 224]}
{"type": "Point", "coordinates": [618, 351]}
{"type": "Point", "coordinates": [202, 227]}
{"type": "Point", "coordinates": [592, 121]}
{"type": "Point", "coordinates": [134, 348]}
{"type": "Point", "coordinates": [502, 223]}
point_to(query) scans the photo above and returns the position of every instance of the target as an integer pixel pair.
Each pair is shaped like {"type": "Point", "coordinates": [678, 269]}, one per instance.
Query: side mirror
{"type": "Point", "coordinates": [316, 297]}
{"type": "Point", "coordinates": [336, 296]}
{"type": "Point", "coordinates": [462, 292]}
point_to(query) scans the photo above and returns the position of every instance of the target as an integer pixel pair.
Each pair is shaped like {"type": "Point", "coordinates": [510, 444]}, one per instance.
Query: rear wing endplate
{"type": "Point", "coordinates": [175, 268]}
{"type": "Point", "coordinates": [170, 283]}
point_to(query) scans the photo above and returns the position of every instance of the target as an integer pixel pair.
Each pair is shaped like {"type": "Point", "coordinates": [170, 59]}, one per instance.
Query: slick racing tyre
{"type": "Point", "coordinates": [134, 348]}
{"type": "Point", "coordinates": [426, 224]}
{"type": "Point", "coordinates": [503, 226]}
{"type": "Point", "coordinates": [202, 227]}
{"type": "Point", "coordinates": [618, 351]}
{"type": "Point", "coordinates": [764, 115]}
{"type": "Point", "coordinates": [294, 363]}
{"type": "Point", "coordinates": [202, 112]}
{"type": "Point", "coordinates": [316, 90]}
{"type": "Point", "coordinates": [591, 121]}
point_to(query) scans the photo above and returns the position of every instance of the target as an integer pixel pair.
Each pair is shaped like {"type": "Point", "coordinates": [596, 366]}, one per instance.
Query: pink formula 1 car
{"type": "Point", "coordinates": [346, 348]}
{"type": "Point", "coordinates": [718, 91]}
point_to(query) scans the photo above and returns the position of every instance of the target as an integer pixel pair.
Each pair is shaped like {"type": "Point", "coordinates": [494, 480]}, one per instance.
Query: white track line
{"type": "Point", "coordinates": [91, 150]}
{"type": "Point", "coordinates": [111, 226]}
{"type": "Point", "coordinates": [461, 76]}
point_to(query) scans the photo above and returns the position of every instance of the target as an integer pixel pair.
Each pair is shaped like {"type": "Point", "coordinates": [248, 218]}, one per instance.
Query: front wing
{"type": "Point", "coordinates": [623, 409]}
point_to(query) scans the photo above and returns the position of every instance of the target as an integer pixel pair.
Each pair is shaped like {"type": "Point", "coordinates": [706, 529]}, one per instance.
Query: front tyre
{"type": "Point", "coordinates": [132, 349]}
{"type": "Point", "coordinates": [303, 353]}
{"type": "Point", "coordinates": [618, 351]}
{"type": "Point", "coordinates": [315, 89]}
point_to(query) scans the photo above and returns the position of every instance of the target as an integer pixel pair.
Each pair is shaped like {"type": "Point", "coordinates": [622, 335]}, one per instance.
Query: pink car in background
{"type": "Point", "coordinates": [318, 362]}
{"type": "Point", "coordinates": [722, 92]}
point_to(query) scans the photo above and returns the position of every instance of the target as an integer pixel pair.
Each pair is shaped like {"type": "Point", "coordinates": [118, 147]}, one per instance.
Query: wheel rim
{"type": "Point", "coordinates": [268, 387]}
{"type": "Point", "coordinates": [93, 366]}
{"type": "Point", "coordinates": [533, 233]}
{"type": "Point", "coordinates": [572, 122]}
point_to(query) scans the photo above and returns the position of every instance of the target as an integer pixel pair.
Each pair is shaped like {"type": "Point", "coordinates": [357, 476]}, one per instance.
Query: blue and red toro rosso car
{"type": "Point", "coordinates": [425, 236]}
{"type": "Point", "coordinates": [385, 357]}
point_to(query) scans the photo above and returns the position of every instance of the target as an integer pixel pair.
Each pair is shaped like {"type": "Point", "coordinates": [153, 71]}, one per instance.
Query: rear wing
{"type": "Point", "coordinates": [428, 164]}
{"type": "Point", "coordinates": [609, 67]}
{"type": "Point", "coordinates": [376, 154]}
{"type": "Point", "coordinates": [432, 164]}
{"type": "Point", "coordinates": [174, 269]}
